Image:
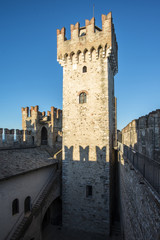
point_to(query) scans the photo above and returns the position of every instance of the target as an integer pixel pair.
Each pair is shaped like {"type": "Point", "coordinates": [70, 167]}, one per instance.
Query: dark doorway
{"type": "Point", "coordinates": [53, 214]}
{"type": "Point", "coordinates": [27, 204]}
{"type": "Point", "coordinates": [44, 136]}
{"type": "Point", "coordinates": [46, 219]}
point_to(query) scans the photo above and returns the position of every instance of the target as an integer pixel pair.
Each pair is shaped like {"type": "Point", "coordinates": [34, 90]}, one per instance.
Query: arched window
{"type": "Point", "coordinates": [15, 206]}
{"type": "Point", "coordinates": [44, 136]}
{"type": "Point", "coordinates": [27, 204]}
{"type": "Point", "coordinates": [82, 97]}
{"type": "Point", "coordinates": [84, 69]}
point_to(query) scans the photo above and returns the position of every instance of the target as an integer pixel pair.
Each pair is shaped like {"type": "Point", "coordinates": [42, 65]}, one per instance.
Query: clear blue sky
{"type": "Point", "coordinates": [30, 74]}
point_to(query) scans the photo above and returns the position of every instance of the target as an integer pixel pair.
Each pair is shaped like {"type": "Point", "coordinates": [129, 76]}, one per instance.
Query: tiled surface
{"type": "Point", "coordinates": [17, 161]}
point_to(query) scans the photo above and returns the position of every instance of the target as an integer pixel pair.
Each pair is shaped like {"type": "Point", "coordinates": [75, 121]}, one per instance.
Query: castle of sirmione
{"type": "Point", "coordinates": [70, 174]}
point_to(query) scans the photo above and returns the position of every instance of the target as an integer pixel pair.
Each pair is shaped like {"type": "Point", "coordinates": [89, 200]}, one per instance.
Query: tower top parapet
{"type": "Point", "coordinates": [87, 38]}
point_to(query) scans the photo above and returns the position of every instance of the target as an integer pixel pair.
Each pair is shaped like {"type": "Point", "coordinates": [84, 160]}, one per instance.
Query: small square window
{"type": "Point", "coordinates": [88, 191]}
{"type": "Point", "coordinates": [84, 69]}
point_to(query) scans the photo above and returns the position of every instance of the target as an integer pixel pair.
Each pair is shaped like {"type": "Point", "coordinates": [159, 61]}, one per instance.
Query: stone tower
{"type": "Point", "coordinates": [46, 129]}
{"type": "Point", "coordinates": [89, 61]}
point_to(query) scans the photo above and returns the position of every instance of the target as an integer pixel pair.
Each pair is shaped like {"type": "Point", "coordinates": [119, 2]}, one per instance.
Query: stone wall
{"type": "Point", "coordinates": [140, 204]}
{"type": "Point", "coordinates": [15, 138]}
{"type": "Point", "coordinates": [20, 187]}
{"type": "Point", "coordinates": [34, 120]}
{"type": "Point", "coordinates": [143, 135]}
{"type": "Point", "coordinates": [88, 128]}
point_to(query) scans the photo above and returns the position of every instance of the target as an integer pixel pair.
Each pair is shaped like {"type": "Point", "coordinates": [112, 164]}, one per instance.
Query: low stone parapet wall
{"type": "Point", "coordinates": [15, 138]}
{"type": "Point", "coordinates": [140, 204]}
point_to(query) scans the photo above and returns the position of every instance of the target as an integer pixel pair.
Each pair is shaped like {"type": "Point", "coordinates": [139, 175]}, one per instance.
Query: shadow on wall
{"type": "Point", "coordinates": [84, 154]}
{"type": "Point", "coordinates": [91, 185]}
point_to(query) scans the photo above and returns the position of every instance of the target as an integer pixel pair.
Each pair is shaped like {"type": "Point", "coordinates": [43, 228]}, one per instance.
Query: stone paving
{"type": "Point", "coordinates": [18, 161]}
{"type": "Point", "coordinates": [60, 233]}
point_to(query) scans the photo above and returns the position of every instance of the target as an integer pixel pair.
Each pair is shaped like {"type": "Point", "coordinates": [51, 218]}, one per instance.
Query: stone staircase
{"type": "Point", "coordinates": [18, 232]}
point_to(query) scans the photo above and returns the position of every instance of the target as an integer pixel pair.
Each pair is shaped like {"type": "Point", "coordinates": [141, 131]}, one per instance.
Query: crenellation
{"type": "Point", "coordinates": [38, 121]}
{"type": "Point", "coordinates": [75, 31]}
{"type": "Point", "coordinates": [1, 136]}
{"type": "Point", "coordinates": [15, 138]}
{"type": "Point", "coordinates": [142, 135]}
{"type": "Point", "coordinates": [19, 136]}
{"type": "Point", "coordinates": [8, 136]}
{"type": "Point", "coordinates": [89, 37]}
{"type": "Point", "coordinates": [90, 29]}
{"type": "Point", "coordinates": [49, 114]}
{"type": "Point", "coordinates": [43, 113]}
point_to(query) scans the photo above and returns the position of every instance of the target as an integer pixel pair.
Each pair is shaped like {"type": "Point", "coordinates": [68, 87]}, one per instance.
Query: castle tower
{"type": "Point", "coordinates": [89, 61]}
{"type": "Point", "coordinates": [46, 129]}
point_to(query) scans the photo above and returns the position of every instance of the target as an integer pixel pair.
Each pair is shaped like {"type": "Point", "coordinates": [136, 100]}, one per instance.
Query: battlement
{"type": "Point", "coordinates": [151, 120]}
{"type": "Point", "coordinates": [86, 39]}
{"type": "Point", "coordinates": [15, 138]}
{"type": "Point", "coordinates": [44, 126]}
{"type": "Point", "coordinates": [34, 113]}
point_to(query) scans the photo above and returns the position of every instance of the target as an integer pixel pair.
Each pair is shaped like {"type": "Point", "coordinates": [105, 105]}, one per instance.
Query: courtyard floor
{"type": "Point", "coordinates": [60, 233]}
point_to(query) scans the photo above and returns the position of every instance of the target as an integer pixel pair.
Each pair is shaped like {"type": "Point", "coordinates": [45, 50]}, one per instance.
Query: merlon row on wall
{"type": "Point", "coordinates": [151, 120]}
{"type": "Point", "coordinates": [15, 137]}
{"type": "Point", "coordinates": [88, 38]}
{"type": "Point", "coordinates": [34, 111]}
{"type": "Point", "coordinates": [89, 28]}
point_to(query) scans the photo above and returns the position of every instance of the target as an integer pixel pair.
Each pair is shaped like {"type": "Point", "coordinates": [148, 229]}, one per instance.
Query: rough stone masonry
{"type": "Point", "coordinates": [89, 61]}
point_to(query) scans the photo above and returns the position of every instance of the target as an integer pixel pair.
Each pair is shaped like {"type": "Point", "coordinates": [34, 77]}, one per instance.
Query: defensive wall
{"type": "Point", "coordinates": [139, 202]}
{"type": "Point", "coordinates": [143, 135]}
{"type": "Point", "coordinates": [33, 124]}
{"type": "Point", "coordinates": [49, 125]}
{"type": "Point", "coordinates": [15, 138]}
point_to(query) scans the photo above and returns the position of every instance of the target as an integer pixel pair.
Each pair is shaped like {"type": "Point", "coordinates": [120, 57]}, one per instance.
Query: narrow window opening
{"type": "Point", "coordinates": [15, 206]}
{"type": "Point", "coordinates": [84, 69]}
{"type": "Point", "coordinates": [88, 191]}
{"type": "Point", "coordinates": [82, 98]}
{"type": "Point", "coordinates": [27, 204]}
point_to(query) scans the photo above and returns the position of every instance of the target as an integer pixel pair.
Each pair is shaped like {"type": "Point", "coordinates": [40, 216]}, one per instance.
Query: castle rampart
{"type": "Point", "coordinates": [143, 135]}
{"type": "Point", "coordinates": [36, 121]}
{"type": "Point", "coordinates": [86, 39]}
{"type": "Point", "coordinates": [33, 114]}
{"type": "Point", "coordinates": [15, 138]}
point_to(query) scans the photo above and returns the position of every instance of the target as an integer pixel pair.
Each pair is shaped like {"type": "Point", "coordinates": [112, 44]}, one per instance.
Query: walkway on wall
{"type": "Point", "coordinates": [149, 168]}
{"type": "Point", "coordinates": [60, 233]}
